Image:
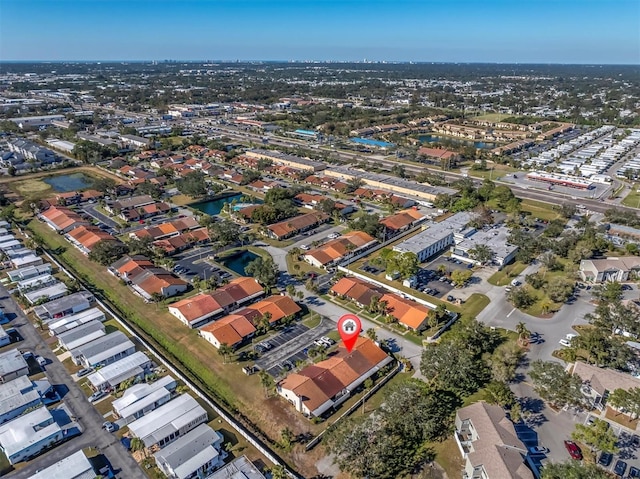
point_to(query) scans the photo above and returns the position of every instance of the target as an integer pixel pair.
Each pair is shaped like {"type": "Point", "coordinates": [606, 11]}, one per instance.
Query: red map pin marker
{"type": "Point", "coordinates": [349, 327]}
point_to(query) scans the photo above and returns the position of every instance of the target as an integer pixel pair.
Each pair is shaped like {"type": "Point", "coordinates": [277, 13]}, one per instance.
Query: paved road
{"type": "Point", "coordinates": [396, 342]}
{"type": "Point", "coordinates": [91, 210]}
{"type": "Point", "coordinates": [90, 420]}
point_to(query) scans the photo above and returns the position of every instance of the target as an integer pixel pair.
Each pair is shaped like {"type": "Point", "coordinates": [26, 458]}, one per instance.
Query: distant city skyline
{"type": "Point", "coordinates": [492, 31]}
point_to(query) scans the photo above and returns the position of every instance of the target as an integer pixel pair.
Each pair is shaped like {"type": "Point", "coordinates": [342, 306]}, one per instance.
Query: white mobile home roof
{"type": "Point", "coordinates": [29, 272]}
{"type": "Point", "coordinates": [120, 371]}
{"type": "Point", "coordinates": [240, 468]}
{"type": "Point", "coordinates": [21, 433]}
{"type": "Point", "coordinates": [5, 238]}
{"type": "Point", "coordinates": [74, 320]}
{"type": "Point", "coordinates": [76, 301]}
{"type": "Point", "coordinates": [191, 451]}
{"type": "Point", "coordinates": [145, 404]}
{"type": "Point", "coordinates": [43, 279]}
{"type": "Point", "coordinates": [84, 334]}
{"type": "Point", "coordinates": [15, 394]}
{"type": "Point", "coordinates": [8, 245]}
{"type": "Point", "coordinates": [11, 361]}
{"type": "Point", "coordinates": [75, 466]}
{"type": "Point", "coordinates": [52, 292]}
{"type": "Point", "coordinates": [140, 391]}
{"type": "Point", "coordinates": [25, 260]}
{"type": "Point", "coordinates": [103, 348]}
{"type": "Point", "coordinates": [168, 418]}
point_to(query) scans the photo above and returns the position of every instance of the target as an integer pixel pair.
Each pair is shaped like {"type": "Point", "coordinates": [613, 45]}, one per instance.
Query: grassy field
{"type": "Point", "coordinates": [302, 267]}
{"type": "Point", "coordinates": [540, 209]}
{"type": "Point", "coordinates": [506, 274]}
{"type": "Point", "coordinates": [497, 172]}
{"type": "Point", "coordinates": [474, 305]}
{"type": "Point", "coordinates": [491, 117]}
{"type": "Point", "coordinates": [632, 199]}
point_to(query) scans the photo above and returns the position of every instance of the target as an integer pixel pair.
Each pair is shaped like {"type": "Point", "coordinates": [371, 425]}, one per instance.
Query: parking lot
{"type": "Point", "coordinates": [289, 347]}
{"type": "Point", "coordinates": [429, 278]}
{"type": "Point", "coordinates": [193, 263]}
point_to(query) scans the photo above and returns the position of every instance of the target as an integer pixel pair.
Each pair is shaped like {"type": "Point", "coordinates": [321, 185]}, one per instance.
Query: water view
{"type": "Point", "coordinates": [214, 207]}
{"type": "Point", "coordinates": [239, 261]}
{"type": "Point", "coordinates": [455, 141]}
{"type": "Point", "coordinates": [65, 183]}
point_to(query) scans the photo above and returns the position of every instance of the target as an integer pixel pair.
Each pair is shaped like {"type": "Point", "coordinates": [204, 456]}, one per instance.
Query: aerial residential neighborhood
{"type": "Point", "coordinates": [408, 249]}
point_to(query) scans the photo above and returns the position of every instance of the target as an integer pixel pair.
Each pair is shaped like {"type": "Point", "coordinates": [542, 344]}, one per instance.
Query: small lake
{"type": "Point", "coordinates": [214, 207]}
{"type": "Point", "coordinates": [239, 261]}
{"type": "Point", "coordinates": [455, 141]}
{"type": "Point", "coordinates": [65, 183]}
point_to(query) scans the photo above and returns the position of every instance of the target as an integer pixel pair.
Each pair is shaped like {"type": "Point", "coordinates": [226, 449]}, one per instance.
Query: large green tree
{"type": "Point", "coordinates": [107, 252]}
{"type": "Point", "coordinates": [264, 270]}
{"type": "Point", "coordinates": [598, 436]}
{"type": "Point", "coordinates": [556, 385]}
{"type": "Point", "coordinates": [573, 470]}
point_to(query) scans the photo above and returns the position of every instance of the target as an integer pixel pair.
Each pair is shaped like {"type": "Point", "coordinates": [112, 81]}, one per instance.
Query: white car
{"type": "Point", "coordinates": [333, 235]}
{"type": "Point", "coordinates": [565, 343]}
{"type": "Point", "coordinates": [570, 336]}
{"type": "Point", "coordinates": [304, 247]}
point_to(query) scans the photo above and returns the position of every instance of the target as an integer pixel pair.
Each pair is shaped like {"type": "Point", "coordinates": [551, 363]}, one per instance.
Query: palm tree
{"type": "Point", "coordinates": [545, 305]}
{"type": "Point", "coordinates": [225, 350]}
{"type": "Point", "coordinates": [156, 298]}
{"type": "Point", "coordinates": [523, 333]}
{"type": "Point", "coordinates": [371, 334]}
{"type": "Point", "coordinates": [291, 290]}
{"type": "Point", "coordinates": [266, 382]}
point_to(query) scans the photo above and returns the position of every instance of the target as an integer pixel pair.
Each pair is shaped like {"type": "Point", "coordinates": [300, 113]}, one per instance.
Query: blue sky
{"type": "Point", "coordinates": [519, 31]}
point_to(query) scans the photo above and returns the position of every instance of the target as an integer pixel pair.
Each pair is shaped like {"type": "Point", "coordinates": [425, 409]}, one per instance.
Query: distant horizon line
{"type": "Point", "coordinates": [361, 62]}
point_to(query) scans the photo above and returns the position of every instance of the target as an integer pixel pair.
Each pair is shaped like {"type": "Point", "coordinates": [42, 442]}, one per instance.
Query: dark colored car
{"type": "Point", "coordinates": [620, 467]}
{"type": "Point", "coordinates": [573, 449]}
{"type": "Point", "coordinates": [605, 459]}
{"type": "Point", "coordinates": [635, 439]}
{"type": "Point", "coordinates": [634, 472]}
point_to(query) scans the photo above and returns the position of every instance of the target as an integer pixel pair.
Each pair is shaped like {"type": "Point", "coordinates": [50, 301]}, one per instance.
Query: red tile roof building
{"type": "Point", "coordinates": [319, 387]}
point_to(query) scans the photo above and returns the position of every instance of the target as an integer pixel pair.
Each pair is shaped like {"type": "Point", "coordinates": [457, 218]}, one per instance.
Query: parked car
{"type": "Point", "coordinates": [84, 372]}
{"type": "Point", "coordinates": [327, 340]}
{"type": "Point", "coordinates": [565, 343]}
{"type": "Point", "coordinates": [605, 459]}
{"type": "Point", "coordinates": [635, 440]}
{"type": "Point", "coordinates": [634, 472]}
{"type": "Point", "coordinates": [41, 361]}
{"type": "Point", "coordinates": [536, 450]}
{"type": "Point", "coordinates": [109, 426]}
{"type": "Point", "coordinates": [97, 395]}
{"type": "Point", "coordinates": [574, 450]}
{"type": "Point", "coordinates": [620, 467]}
{"type": "Point", "coordinates": [304, 247]}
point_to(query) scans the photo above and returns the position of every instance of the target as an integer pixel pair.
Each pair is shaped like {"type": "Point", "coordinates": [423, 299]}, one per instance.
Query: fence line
{"type": "Point", "coordinates": [242, 430]}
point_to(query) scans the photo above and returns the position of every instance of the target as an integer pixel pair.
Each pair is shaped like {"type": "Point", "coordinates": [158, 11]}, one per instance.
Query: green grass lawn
{"type": "Point", "coordinates": [540, 209]}
{"type": "Point", "coordinates": [303, 267]}
{"type": "Point", "coordinates": [5, 466]}
{"type": "Point", "coordinates": [474, 305]}
{"type": "Point", "coordinates": [506, 274]}
{"type": "Point", "coordinates": [632, 199]}
{"type": "Point", "coordinates": [448, 456]}
{"type": "Point", "coordinates": [498, 171]}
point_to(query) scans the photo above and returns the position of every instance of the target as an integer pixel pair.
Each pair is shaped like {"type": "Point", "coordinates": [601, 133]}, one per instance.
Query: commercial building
{"type": "Point", "coordinates": [75, 466]}
{"type": "Point", "coordinates": [103, 351]}
{"type": "Point", "coordinates": [489, 444]}
{"type": "Point", "coordinates": [109, 377]}
{"type": "Point", "coordinates": [495, 239]}
{"type": "Point", "coordinates": [12, 365]}
{"type": "Point", "coordinates": [317, 388]}
{"type": "Point", "coordinates": [75, 320]}
{"type": "Point", "coordinates": [27, 436]}
{"type": "Point", "coordinates": [561, 180]}
{"type": "Point", "coordinates": [436, 237]}
{"type": "Point", "coordinates": [143, 398]}
{"type": "Point", "coordinates": [389, 182]}
{"type": "Point", "coordinates": [76, 337]}
{"type": "Point", "coordinates": [610, 269]}
{"type": "Point", "coordinates": [59, 308]}
{"type": "Point", "coordinates": [170, 421]}
{"type": "Point", "coordinates": [194, 455]}
{"type": "Point", "coordinates": [16, 396]}
{"type": "Point", "coordinates": [287, 160]}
